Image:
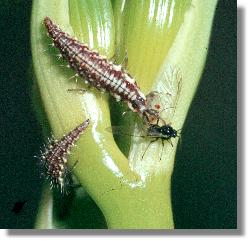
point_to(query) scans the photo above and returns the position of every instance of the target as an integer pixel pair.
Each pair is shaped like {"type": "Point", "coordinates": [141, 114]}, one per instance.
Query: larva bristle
{"type": "Point", "coordinates": [98, 71]}
{"type": "Point", "coordinates": [54, 157]}
{"type": "Point", "coordinates": [105, 75]}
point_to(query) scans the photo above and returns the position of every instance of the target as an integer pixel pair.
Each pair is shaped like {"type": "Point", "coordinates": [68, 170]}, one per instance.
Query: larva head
{"type": "Point", "coordinates": [53, 30]}
{"type": "Point", "coordinates": [48, 23]}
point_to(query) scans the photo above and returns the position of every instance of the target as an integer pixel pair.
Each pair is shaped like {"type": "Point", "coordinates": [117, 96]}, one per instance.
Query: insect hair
{"type": "Point", "coordinates": [53, 158]}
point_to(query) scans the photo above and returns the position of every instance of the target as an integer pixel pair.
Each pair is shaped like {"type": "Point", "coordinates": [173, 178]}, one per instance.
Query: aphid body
{"type": "Point", "coordinates": [54, 157]}
{"type": "Point", "coordinates": [164, 132]}
{"type": "Point", "coordinates": [101, 73]}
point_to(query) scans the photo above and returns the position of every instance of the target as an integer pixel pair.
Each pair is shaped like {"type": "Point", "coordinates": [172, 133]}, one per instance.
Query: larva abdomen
{"type": "Point", "coordinates": [54, 156]}
{"type": "Point", "coordinates": [97, 70]}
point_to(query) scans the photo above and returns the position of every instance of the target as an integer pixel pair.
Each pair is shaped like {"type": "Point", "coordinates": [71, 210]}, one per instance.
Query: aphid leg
{"type": "Point", "coordinates": [161, 119]}
{"type": "Point", "coordinates": [179, 135]}
{"type": "Point", "coordinates": [147, 120]}
{"type": "Point", "coordinates": [162, 149]}
{"type": "Point", "coordinates": [148, 147]}
{"type": "Point", "coordinates": [179, 131]}
{"type": "Point", "coordinates": [180, 140]}
{"type": "Point", "coordinates": [169, 141]}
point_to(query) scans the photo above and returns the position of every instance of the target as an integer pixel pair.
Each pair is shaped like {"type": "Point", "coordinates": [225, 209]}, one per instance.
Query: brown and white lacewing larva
{"type": "Point", "coordinates": [54, 156]}
{"type": "Point", "coordinates": [104, 75]}
{"type": "Point", "coordinates": [101, 73]}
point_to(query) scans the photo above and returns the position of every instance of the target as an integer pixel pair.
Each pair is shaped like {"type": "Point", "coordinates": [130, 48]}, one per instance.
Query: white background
{"type": "Point", "coordinates": [243, 104]}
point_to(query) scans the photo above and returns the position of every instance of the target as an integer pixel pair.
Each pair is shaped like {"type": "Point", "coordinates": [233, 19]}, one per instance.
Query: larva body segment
{"type": "Point", "coordinates": [54, 157]}
{"type": "Point", "coordinates": [100, 73]}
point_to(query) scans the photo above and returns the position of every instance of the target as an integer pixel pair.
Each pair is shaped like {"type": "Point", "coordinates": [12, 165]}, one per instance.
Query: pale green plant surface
{"type": "Point", "coordinates": [158, 36]}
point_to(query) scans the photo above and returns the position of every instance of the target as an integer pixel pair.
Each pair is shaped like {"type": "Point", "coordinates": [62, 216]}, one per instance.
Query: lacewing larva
{"type": "Point", "coordinates": [54, 156]}
{"type": "Point", "coordinates": [101, 73]}
{"type": "Point", "coordinates": [106, 76]}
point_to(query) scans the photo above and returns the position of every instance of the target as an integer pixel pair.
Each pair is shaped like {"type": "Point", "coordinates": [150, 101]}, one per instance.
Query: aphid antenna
{"type": "Point", "coordinates": [179, 136]}
{"type": "Point", "coordinates": [161, 149]}
{"type": "Point", "coordinates": [179, 131]}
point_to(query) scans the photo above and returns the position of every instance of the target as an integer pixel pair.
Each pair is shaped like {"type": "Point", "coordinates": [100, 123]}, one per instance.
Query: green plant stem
{"type": "Point", "coordinates": [44, 218]}
{"type": "Point", "coordinates": [135, 193]}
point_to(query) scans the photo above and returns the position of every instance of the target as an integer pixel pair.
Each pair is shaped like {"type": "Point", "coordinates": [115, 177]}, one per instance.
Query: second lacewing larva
{"type": "Point", "coordinates": [54, 156]}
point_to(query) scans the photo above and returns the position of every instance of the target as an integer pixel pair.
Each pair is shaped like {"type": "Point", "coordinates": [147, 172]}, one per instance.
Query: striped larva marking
{"type": "Point", "coordinates": [101, 73]}
{"type": "Point", "coordinates": [54, 157]}
{"type": "Point", "coordinates": [106, 76]}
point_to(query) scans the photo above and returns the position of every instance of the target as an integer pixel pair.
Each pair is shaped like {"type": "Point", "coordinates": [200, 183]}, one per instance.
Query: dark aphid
{"type": "Point", "coordinates": [164, 132]}
{"type": "Point", "coordinates": [54, 156]}
{"type": "Point", "coordinates": [153, 131]}
{"type": "Point", "coordinates": [101, 73]}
